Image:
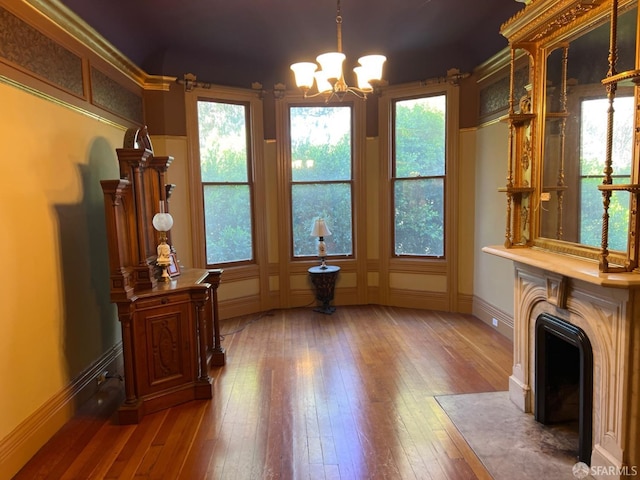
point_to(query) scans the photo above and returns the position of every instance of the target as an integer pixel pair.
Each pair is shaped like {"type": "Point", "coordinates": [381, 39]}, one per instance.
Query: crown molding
{"type": "Point", "coordinates": [77, 28]}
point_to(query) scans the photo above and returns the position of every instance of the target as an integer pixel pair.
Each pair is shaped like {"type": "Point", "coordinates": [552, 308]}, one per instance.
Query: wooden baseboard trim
{"type": "Point", "coordinates": [29, 436]}
{"type": "Point", "coordinates": [487, 312]}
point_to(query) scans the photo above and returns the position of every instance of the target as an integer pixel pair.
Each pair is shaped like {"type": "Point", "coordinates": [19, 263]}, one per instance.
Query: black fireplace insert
{"type": "Point", "coordinates": [564, 378]}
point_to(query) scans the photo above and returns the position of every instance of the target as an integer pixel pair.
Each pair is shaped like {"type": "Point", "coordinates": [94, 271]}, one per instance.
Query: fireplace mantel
{"type": "Point", "coordinates": [565, 265]}
{"type": "Point", "coordinates": [606, 306]}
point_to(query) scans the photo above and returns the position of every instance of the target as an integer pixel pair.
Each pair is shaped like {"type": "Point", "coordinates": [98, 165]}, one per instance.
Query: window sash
{"type": "Point", "coordinates": [419, 177]}
{"type": "Point", "coordinates": [419, 216]}
{"type": "Point", "coordinates": [318, 191]}
{"type": "Point", "coordinates": [227, 186]}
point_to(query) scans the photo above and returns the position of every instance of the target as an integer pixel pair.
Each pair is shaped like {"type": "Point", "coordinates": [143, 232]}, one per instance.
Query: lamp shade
{"type": "Point", "coordinates": [162, 222]}
{"type": "Point", "coordinates": [331, 64]}
{"type": "Point", "coordinates": [321, 82]}
{"type": "Point", "coordinates": [303, 72]}
{"type": "Point", "coordinates": [320, 228]}
{"type": "Point", "coordinates": [363, 82]}
{"type": "Point", "coordinates": [372, 67]}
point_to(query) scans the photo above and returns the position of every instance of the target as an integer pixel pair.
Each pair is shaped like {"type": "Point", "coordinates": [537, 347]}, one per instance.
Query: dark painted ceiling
{"type": "Point", "coordinates": [236, 42]}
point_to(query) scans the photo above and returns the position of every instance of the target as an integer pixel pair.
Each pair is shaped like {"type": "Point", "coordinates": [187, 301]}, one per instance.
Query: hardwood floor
{"type": "Point", "coordinates": [303, 396]}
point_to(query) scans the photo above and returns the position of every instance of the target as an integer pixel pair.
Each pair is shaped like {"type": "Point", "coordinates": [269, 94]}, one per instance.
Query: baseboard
{"type": "Point", "coordinates": [27, 438]}
{"type": "Point", "coordinates": [488, 313]}
{"type": "Point", "coordinates": [250, 305]}
{"type": "Point", "coordinates": [464, 303]}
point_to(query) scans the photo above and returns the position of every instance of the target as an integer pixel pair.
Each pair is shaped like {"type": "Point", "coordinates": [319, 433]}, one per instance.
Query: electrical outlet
{"type": "Point", "coordinates": [494, 322]}
{"type": "Point", "coordinates": [102, 377]}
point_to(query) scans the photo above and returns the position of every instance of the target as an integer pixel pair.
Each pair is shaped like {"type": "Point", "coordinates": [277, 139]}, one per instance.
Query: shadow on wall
{"type": "Point", "coordinates": [90, 319]}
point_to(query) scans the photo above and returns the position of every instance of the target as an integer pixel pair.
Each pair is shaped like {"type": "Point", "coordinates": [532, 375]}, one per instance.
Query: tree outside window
{"type": "Point", "coordinates": [419, 146]}
{"type": "Point", "coordinates": [593, 141]}
{"type": "Point", "coordinates": [226, 181]}
{"type": "Point", "coordinates": [321, 177]}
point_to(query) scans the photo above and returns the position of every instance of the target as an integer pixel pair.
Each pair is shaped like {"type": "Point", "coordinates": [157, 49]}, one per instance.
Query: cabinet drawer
{"type": "Point", "coordinates": [159, 300]}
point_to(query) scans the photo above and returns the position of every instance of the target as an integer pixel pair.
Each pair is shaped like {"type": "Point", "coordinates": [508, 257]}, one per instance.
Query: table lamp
{"type": "Point", "coordinates": [162, 222]}
{"type": "Point", "coordinates": [321, 230]}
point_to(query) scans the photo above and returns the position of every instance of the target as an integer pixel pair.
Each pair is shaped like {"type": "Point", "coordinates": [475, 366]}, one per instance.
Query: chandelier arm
{"type": "Point", "coordinates": [317, 94]}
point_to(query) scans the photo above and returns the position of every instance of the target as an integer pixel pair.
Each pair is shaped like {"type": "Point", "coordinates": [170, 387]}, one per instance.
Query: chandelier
{"type": "Point", "coordinates": [329, 79]}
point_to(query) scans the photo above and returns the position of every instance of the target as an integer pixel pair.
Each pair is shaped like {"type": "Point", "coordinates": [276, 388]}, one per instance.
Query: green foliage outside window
{"type": "Point", "coordinates": [593, 134]}
{"type": "Point", "coordinates": [224, 167]}
{"type": "Point", "coordinates": [419, 176]}
{"type": "Point", "coordinates": [321, 169]}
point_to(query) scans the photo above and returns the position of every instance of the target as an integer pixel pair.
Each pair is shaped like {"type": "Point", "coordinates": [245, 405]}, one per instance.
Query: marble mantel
{"type": "Point", "coordinates": [606, 306]}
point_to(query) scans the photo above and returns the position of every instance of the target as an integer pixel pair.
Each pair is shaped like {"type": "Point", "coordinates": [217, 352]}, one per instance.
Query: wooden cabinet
{"type": "Point", "coordinates": [170, 329]}
{"type": "Point", "coordinates": [167, 344]}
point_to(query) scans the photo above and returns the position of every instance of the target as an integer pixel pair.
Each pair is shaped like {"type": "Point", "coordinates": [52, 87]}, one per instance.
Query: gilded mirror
{"type": "Point", "coordinates": [573, 135]}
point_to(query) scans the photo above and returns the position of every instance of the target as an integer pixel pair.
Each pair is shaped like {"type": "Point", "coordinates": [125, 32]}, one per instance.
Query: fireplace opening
{"type": "Point", "coordinates": [564, 378]}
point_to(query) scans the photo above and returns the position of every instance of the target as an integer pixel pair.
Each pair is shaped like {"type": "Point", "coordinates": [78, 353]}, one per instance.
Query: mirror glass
{"type": "Point", "coordinates": [575, 132]}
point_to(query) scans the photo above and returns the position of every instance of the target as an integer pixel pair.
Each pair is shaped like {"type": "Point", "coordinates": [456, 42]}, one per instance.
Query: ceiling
{"type": "Point", "coordinates": [237, 42]}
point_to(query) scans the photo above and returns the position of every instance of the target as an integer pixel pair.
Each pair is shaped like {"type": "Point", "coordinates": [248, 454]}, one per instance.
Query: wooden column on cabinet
{"type": "Point", "coordinates": [218, 356]}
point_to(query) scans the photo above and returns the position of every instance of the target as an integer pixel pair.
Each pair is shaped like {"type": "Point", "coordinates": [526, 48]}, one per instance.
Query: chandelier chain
{"type": "Point", "coordinates": [339, 26]}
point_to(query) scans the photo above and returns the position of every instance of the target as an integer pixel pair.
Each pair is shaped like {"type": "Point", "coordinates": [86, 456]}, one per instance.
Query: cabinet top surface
{"type": "Point", "coordinates": [187, 280]}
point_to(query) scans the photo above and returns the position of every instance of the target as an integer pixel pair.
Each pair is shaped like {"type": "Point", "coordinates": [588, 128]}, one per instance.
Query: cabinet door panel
{"type": "Point", "coordinates": [167, 342]}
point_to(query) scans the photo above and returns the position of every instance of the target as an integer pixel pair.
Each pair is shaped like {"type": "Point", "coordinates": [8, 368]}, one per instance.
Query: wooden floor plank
{"type": "Point", "coordinates": [305, 396]}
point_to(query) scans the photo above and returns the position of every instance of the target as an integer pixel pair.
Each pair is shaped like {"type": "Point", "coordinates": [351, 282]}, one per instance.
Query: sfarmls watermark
{"type": "Point", "coordinates": [582, 470]}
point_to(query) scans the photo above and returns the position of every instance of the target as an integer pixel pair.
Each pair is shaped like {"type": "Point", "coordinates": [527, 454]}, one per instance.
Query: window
{"type": "Point", "coordinates": [321, 177]}
{"type": "Point", "coordinates": [225, 176]}
{"type": "Point", "coordinates": [593, 136]}
{"type": "Point", "coordinates": [418, 175]}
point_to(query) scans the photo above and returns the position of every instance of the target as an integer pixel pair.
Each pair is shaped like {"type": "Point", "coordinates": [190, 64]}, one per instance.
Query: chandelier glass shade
{"type": "Point", "coordinates": [329, 80]}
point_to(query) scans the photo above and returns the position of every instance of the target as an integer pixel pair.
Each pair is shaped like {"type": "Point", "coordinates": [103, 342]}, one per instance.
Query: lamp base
{"type": "Point", "coordinates": [164, 277]}
{"type": "Point", "coordinates": [324, 281]}
{"type": "Point", "coordinates": [328, 310]}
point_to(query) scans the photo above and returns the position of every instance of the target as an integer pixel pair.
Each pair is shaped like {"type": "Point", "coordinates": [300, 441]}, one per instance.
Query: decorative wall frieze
{"type": "Point", "coordinates": [55, 54]}
{"type": "Point", "coordinates": [112, 96]}
{"type": "Point", "coordinates": [25, 47]}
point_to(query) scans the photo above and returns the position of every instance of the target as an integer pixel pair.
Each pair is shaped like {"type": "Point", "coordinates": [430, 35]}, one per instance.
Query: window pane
{"type": "Point", "coordinates": [591, 225]}
{"type": "Point", "coordinates": [227, 223]}
{"type": "Point", "coordinates": [419, 217]}
{"type": "Point", "coordinates": [593, 141]}
{"type": "Point", "coordinates": [420, 137]}
{"type": "Point", "coordinates": [593, 136]}
{"type": "Point", "coordinates": [223, 142]}
{"type": "Point", "coordinates": [331, 201]}
{"type": "Point", "coordinates": [224, 166]}
{"type": "Point", "coordinates": [321, 152]}
{"type": "Point", "coordinates": [320, 143]}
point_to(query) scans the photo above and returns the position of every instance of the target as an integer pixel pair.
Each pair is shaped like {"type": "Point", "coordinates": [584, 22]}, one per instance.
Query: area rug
{"type": "Point", "coordinates": [510, 443]}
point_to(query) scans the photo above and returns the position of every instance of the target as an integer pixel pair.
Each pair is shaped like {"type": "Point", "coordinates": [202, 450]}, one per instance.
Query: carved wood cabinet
{"type": "Point", "coordinates": [170, 329]}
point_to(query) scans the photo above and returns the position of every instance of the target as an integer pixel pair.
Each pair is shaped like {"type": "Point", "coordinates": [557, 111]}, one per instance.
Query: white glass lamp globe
{"type": "Point", "coordinates": [162, 222]}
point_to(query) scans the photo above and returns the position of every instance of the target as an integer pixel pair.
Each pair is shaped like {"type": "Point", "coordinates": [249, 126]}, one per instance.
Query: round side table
{"type": "Point", "coordinates": [324, 281]}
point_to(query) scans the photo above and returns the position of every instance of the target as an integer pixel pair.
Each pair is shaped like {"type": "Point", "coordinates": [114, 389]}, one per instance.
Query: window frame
{"type": "Point", "coordinates": [249, 183]}
{"type": "Point", "coordinates": [350, 181]}
{"type": "Point", "coordinates": [251, 99]}
{"type": "Point", "coordinates": [387, 132]}
{"type": "Point", "coordinates": [284, 159]}
{"type": "Point", "coordinates": [395, 180]}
